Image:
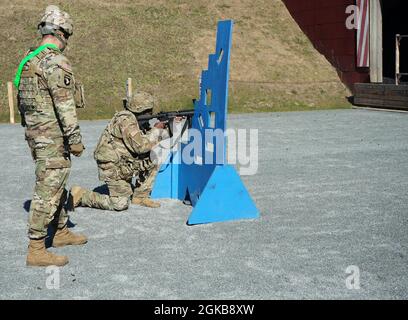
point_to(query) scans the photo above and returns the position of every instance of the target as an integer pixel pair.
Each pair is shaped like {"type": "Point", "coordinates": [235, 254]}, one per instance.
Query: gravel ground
{"type": "Point", "coordinates": [332, 188]}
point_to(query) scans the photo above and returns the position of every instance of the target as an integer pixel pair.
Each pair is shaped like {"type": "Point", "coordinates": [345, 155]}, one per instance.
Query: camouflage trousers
{"type": "Point", "coordinates": [120, 192]}
{"type": "Point", "coordinates": [47, 204]}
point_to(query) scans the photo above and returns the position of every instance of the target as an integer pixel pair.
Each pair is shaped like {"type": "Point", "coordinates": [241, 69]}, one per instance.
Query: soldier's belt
{"type": "Point", "coordinates": [56, 163]}
{"type": "Point", "coordinates": [55, 137]}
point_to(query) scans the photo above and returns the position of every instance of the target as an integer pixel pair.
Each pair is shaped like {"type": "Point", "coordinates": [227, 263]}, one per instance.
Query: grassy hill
{"type": "Point", "coordinates": [164, 45]}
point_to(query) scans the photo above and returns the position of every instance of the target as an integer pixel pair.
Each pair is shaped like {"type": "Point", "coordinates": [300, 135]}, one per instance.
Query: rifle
{"type": "Point", "coordinates": [167, 117]}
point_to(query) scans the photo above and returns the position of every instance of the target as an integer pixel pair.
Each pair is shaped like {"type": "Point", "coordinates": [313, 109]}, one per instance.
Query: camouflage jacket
{"type": "Point", "coordinates": [123, 145]}
{"type": "Point", "coordinates": [47, 105]}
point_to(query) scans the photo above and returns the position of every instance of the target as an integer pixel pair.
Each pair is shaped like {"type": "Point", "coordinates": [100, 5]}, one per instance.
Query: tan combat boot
{"type": "Point", "coordinates": [64, 237]}
{"type": "Point", "coordinates": [146, 202]}
{"type": "Point", "coordinates": [76, 193]}
{"type": "Point", "coordinates": [38, 256]}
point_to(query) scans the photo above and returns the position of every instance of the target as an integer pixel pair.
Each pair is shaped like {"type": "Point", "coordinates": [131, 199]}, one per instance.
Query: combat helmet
{"type": "Point", "coordinates": [140, 102]}
{"type": "Point", "coordinates": [55, 20]}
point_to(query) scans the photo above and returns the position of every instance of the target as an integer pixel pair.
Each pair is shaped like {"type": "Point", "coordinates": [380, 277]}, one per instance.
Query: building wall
{"type": "Point", "coordinates": [323, 21]}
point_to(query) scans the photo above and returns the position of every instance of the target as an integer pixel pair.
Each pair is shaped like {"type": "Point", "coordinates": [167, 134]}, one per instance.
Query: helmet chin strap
{"type": "Point", "coordinates": [61, 39]}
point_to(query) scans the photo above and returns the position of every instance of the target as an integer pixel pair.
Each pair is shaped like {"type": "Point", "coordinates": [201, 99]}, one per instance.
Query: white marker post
{"type": "Point", "coordinates": [11, 101]}
{"type": "Point", "coordinates": [128, 89]}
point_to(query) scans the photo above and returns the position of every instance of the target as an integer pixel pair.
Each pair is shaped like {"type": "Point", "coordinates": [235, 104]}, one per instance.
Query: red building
{"type": "Point", "coordinates": [358, 37]}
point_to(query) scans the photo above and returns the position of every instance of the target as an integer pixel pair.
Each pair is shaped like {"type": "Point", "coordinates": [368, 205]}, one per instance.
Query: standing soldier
{"type": "Point", "coordinates": [121, 154]}
{"type": "Point", "coordinates": [46, 91]}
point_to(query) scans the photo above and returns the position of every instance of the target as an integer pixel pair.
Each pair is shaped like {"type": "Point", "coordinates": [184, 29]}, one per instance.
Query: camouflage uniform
{"type": "Point", "coordinates": [121, 154]}
{"type": "Point", "coordinates": [48, 110]}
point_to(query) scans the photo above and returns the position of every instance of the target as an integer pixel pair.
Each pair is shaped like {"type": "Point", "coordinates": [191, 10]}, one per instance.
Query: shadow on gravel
{"type": "Point", "coordinates": [103, 189]}
{"type": "Point", "coordinates": [27, 205]}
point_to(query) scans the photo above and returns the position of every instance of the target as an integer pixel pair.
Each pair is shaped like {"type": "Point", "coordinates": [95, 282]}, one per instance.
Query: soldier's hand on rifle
{"type": "Point", "coordinates": [76, 149]}
{"type": "Point", "coordinates": [179, 119]}
{"type": "Point", "coordinates": [160, 125]}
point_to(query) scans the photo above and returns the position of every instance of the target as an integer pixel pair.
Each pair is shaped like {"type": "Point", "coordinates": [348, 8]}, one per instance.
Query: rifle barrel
{"type": "Point", "coordinates": [166, 115]}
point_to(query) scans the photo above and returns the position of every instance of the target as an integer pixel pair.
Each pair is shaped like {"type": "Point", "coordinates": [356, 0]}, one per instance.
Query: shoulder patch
{"type": "Point", "coordinates": [67, 80]}
{"type": "Point", "coordinates": [57, 59]}
{"type": "Point", "coordinates": [65, 66]}
{"type": "Point", "coordinates": [125, 114]}
{"type": "Point", "coordinates": [124, 118]}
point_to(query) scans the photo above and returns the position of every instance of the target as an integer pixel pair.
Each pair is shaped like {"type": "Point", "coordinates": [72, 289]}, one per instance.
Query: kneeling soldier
{"type": "Point", "coordinates": [121, 154]}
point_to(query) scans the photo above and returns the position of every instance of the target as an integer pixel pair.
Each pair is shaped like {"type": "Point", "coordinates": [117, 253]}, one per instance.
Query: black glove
{"type": "Point", "coordinates": [146, 164]}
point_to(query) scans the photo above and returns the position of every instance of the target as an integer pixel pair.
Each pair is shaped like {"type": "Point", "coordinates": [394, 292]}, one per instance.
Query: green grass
{"type": "Point", "coordinates": [164, 45]}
